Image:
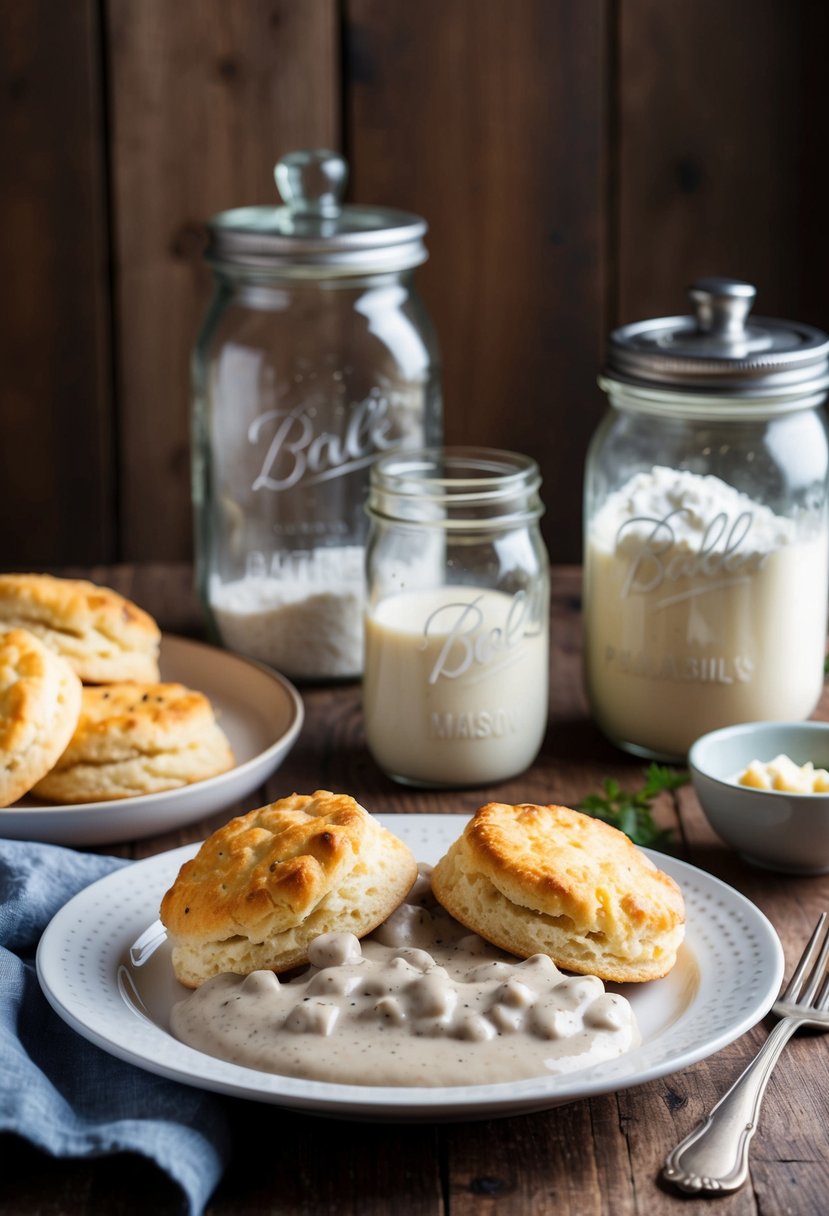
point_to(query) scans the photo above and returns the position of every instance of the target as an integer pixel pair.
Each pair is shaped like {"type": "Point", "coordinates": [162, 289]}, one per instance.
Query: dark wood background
{"type": "Point", "coordinates": [578, 161]}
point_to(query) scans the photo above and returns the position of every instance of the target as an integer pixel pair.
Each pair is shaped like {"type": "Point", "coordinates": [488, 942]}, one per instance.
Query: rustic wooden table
{"type": "Point", "coordinates": [596, 1156]}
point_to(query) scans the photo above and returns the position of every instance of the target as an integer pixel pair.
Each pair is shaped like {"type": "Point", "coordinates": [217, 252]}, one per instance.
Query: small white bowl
{"type": "Point", "coordinates": [770, 828]}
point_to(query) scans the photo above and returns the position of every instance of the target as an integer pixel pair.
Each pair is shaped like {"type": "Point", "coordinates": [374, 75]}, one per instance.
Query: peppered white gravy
{"type": "Point", "coordinates": [421, 1001]}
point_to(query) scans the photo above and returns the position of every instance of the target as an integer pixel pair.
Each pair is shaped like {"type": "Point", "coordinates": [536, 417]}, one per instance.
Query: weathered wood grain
{"type": "Point", "coordinates": [535, 1163]}
{"type": "Point", "coordinates": [489, 120]}
{"type": "Point", "coordinates": [206, 96]}
{"type": "Point", "coordinates": [718, 141]}
{"type": "Point", "coordinates": [56, 455]}
{"type": "Point", "coordinates": [329, 1169]}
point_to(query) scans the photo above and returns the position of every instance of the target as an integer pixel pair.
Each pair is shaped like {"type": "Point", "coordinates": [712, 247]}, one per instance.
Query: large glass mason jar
{"type": "Point", "coordinates": [455, 691]}
{"type": "Point", "coordinates": [705, 560]}
{"type": "Point", "coordinates": [315, 356]}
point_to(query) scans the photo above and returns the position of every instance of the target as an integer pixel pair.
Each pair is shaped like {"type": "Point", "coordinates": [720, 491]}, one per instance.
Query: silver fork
{"type": "Point", "coordinates": [714, 1157]}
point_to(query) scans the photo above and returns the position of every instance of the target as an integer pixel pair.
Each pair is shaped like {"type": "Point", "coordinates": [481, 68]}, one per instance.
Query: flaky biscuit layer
{"type": "Point", "coordinates": [546, 879]}
{"type": "Point", "coordinates": [266, 884]}
{"type": "Point", "coordinates": [40, 700]}
{"type": "Point", "coordinates": [102, 635]}
{"type": "Point", "coordinates": [134, 739]}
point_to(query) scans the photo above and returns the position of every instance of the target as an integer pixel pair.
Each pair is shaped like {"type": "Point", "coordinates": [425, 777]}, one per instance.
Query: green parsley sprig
{"type": "Point", "coordinates": [630, 810]}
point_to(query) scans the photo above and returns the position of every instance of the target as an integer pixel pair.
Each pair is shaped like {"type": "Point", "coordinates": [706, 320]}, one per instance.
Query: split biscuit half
{"type": "Point", "coordinates": [262, 887]}
{"type": "Point", "coordinates": [134, 739]}
{"type": "Point", "coordinates": [103, 636]}
{"type": "Point", "coordinates": [549, 880]}
{"type": "Point", "coordinates": [40, 700]}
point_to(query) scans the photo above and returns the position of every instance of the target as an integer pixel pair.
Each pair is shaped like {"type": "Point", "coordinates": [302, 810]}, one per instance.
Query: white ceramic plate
{"type": "Point", "coordinates": [118, 992]}
{"type": "Point", "coordinates": [260, 712]}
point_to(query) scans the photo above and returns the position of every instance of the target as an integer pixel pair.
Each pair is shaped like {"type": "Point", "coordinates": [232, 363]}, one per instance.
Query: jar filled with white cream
{"type": "Point", "coordinates": [456, 682]}
{"type": "Point", "coordinates": [706, 544]}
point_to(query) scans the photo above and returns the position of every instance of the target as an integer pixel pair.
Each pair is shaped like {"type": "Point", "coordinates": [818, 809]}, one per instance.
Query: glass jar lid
{"type": "Point", "coordinates": [720, 349]}
{"type": "Point", "coordinates": [314, 234]}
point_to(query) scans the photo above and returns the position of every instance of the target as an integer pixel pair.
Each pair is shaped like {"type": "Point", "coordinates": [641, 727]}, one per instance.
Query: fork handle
{"type": "Point", "coordinates": [714, 1157]}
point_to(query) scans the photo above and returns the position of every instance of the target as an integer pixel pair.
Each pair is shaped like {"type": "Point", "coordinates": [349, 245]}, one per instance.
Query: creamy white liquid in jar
{"type": "Point", "coordinates": [455, 690]}
{"type": "Point", "coordinates": [702, 608]}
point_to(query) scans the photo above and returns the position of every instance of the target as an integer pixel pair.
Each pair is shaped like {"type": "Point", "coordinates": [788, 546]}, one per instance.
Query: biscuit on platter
{"type": "Point", "coordinates": [103, 636]}
{"type": "Point", "coordinates": [548, 880]}
{"type": "Point", "coordinates": [262, 887]}
{"type": "Point", "coordinates": [137, 739]}
{"type": "Point", "coordinates": [40, 699]}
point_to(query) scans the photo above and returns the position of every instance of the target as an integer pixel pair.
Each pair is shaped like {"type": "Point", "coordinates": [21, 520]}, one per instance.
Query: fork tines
{"type": "Point", "coordinates": [811, 970]}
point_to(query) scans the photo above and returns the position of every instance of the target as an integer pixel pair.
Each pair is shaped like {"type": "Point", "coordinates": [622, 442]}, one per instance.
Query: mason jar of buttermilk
{"type": "Point", "coordinates": [316, 356]}
{"type": "Point", "coordinates": [456, 684]}
{"type": "Point", "coordinates": [706, 546]}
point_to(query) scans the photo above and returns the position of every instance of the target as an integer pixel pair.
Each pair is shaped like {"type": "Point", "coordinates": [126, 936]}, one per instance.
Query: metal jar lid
{"type": "Point", "coordinates": [720, 349]}
{"type": "Point", "coordinates": [314, 235]}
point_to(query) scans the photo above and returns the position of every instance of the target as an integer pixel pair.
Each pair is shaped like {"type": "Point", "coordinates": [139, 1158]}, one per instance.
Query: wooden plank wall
{"type": "Point", "coordinates": [578, 162]}
{"type": "Point", "coordinates": [723, 143]}
{"type": "Point", "coordinates": [57, 408]}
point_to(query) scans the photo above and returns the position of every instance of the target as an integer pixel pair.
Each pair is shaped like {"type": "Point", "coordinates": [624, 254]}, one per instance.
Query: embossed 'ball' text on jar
{"type": "Point", "coordinates": [456, 684]}
{"type": "Point", "coordinates": [706, 543]}
{"type": "Point", "coordinates": [316, 356]}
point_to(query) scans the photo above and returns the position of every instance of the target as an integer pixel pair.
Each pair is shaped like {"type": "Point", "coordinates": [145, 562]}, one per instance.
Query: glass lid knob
{"type": "Point", "coordinates": [312, 182]}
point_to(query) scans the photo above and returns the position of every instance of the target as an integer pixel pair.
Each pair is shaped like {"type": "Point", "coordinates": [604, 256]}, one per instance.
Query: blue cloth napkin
{"type": "Point", "coordinates": [61, 1092]}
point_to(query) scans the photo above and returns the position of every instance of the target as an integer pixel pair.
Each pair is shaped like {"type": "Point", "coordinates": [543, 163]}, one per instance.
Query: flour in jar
{"type": "Point", "coordinates": [419, 1002]}
{"type": "Point", "coordinates": [702, 608]}
{"type": "Point", "coordinates": [306, 620]}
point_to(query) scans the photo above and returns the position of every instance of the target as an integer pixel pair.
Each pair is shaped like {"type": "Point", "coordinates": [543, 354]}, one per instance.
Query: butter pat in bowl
{"type": "Point", "coordinates": [781, 825]}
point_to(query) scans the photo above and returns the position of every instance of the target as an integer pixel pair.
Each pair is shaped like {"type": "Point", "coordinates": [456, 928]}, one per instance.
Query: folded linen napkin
{"type": "Point", "coordinates": [59, 1091]}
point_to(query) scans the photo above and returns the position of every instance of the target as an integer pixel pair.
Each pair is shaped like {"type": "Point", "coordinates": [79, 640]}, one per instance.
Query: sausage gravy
{"type": "Point", "coordinates": [421, 1001]}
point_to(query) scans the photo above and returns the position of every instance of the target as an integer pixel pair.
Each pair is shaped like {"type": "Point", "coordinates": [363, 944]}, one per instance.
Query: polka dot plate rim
{"type": "Point", "coordinates": [728, 974]}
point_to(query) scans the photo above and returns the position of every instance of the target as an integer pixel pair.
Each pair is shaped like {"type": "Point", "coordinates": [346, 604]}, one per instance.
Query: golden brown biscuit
{"type": "Point", "coordinates": [137, 739]}
{"type": "Point", "coordinates": [261, 888]}
{"type": "Point", "coordinates": [548, 880]}
{"type": "Point", "coordinates": [40, 699]}
{"type": "Point", "coordinates": [103, 636]}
